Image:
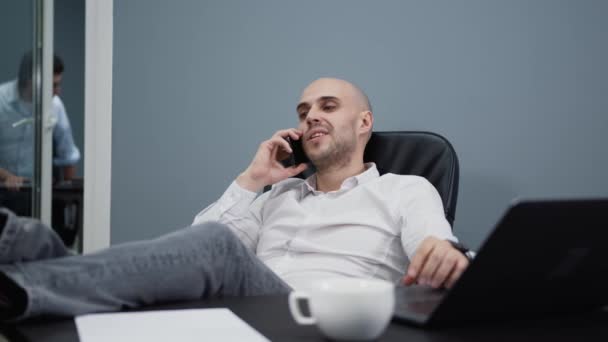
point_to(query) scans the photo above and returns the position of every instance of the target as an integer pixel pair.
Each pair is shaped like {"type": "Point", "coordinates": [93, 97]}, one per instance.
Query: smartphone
{"type": "Point", "coordinates": [298, 156]}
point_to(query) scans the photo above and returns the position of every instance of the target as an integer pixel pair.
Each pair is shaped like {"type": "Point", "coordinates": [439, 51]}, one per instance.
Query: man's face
{"type": "Point", "coordinates": [26, 93]}
{"type": "Point", "coordinates": [328, 115]}
{"type": "Point", "coordinates": [57, 84]}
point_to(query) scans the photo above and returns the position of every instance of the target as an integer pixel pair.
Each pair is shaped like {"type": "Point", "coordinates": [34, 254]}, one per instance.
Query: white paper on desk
{"type": "Point", "coordinates": [169, 325]}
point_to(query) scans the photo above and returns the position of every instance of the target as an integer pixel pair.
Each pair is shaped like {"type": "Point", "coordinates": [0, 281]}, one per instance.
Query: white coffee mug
{"type": "Point", "coordinates": [346, 308]}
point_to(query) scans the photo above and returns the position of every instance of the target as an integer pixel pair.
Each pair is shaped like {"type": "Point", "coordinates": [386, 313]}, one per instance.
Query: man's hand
{"type": "Point", "coordinates": [13, 182]}
{"type": "Point", "coordinates": [436, 263]}
{"type": "Point", "coordinates": [266, 167]}
{"type": "Point", "coordinates": [69, 172]}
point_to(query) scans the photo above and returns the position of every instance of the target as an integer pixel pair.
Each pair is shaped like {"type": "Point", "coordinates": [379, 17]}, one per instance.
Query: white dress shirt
{"type": "Point", "coordinates": [370, 227]}
{"type": "Point", "coordinates": [17, 133]}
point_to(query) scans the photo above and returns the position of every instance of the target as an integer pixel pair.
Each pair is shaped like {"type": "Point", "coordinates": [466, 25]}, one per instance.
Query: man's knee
{"type": "Point", "coordinates": [217, 232]}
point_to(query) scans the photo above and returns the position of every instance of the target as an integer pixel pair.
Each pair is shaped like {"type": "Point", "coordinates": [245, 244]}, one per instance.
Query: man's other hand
{"type": "Point", "coordinates": [436, 263]}
{"type": "Point", "coordinates": [13, 182]}
{"type": "Point", "coordinates": [266, 167]}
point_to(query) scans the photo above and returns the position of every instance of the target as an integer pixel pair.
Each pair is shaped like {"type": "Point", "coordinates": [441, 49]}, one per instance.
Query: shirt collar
{"type": "Point", "coordinates": [371, 172]}
{"type": "Point", "coordinates": [14, 100]}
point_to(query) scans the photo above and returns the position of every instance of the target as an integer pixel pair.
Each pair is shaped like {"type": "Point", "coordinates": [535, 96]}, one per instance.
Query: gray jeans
{"type": "Point", "coordinates": [196, 262]}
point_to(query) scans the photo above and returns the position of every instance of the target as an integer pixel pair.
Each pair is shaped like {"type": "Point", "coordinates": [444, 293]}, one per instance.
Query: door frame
{"type": "Point", "coordinates": [99, 17]}
{"type": "Point", "coordinates": [42, 79]}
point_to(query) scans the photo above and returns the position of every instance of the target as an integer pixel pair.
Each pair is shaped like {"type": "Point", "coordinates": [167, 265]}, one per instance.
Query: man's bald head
{"type": "Point", "coordinates": [356, 93]}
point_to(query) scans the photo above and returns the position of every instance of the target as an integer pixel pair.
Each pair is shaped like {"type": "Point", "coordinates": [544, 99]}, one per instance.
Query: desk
{"type": "Point", "coordinates": [270, 316]}
{"type": "Point", "coordinates": [67, 201]}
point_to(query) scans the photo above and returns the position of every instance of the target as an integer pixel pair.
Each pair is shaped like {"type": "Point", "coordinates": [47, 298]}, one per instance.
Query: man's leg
{"type": "Point", "coordinates": [192, 263]}
{"type": "Point", "coordinates": [23, 239]}
{"type": "Point", "coordinates": [26, 239]}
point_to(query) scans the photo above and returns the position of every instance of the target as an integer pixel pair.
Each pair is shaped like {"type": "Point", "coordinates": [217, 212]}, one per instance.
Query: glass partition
{"type": "Point", "coordinates": [17, 128]}
{"type": "Point", "coordinates": [39, 153]}
{"type": "Point", "coordinates": [68, 134]}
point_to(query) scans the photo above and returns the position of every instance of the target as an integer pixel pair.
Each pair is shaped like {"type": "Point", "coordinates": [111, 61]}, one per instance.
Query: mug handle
{"type": "Point", "coordinates": [294, 307]}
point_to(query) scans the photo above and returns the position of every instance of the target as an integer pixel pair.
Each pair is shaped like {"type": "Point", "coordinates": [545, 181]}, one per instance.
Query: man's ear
{"type": "Point", "coordinates": [367, 121]}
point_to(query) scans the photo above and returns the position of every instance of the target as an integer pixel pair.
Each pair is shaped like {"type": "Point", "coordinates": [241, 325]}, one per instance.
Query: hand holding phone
{"type": "Point", "coordinates": [268, 165]}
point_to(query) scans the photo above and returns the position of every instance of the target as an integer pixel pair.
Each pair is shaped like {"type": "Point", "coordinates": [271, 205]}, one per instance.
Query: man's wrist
{"type": "Point", "coordinates": [469, 254]}
{"type": "Point", "coordinates": [245, 182]}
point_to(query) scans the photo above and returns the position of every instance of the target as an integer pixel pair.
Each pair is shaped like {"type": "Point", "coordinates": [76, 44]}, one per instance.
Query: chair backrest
{"type": "Point", "coordinates": [424, 154]}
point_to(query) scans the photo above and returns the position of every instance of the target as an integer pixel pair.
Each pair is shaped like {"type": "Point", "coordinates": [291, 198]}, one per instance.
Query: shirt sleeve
{"type": "Point", "coordinates": [239, 209]}
{"type": "Point", "coordinates": [65, 152]}
{"type": "Point", "coordinates": [422, 215]}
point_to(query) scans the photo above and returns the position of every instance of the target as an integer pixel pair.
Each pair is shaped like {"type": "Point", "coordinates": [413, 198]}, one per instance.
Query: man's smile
{"type": "Point", "coordinates": [316, 134]}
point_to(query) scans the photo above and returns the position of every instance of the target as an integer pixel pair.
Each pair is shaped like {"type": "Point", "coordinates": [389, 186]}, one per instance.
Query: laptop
{"type": "Point", "coordinates": [543, 257]}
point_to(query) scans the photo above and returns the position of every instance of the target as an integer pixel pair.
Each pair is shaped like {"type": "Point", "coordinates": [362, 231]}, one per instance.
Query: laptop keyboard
{"type": "Point", "coordinates": [422, 302]}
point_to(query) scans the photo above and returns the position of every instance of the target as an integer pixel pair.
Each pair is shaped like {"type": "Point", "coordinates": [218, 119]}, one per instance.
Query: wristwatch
{"type": "Point", "coordinates": [463, 249]}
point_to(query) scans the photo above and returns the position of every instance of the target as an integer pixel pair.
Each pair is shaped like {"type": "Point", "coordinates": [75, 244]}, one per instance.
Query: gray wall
{"type": "Point", "coordinates": [16, 23]}
{"type": "Point", "coordinates": [519, 87]}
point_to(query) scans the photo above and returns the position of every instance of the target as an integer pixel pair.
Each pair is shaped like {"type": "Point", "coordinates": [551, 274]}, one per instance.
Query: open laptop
{"type": "Point", "coordinates": [543, 257]}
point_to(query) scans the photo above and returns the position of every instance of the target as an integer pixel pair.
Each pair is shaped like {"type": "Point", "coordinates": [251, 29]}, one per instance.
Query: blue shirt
{"type": "Point", "coordinates": [17, 133]}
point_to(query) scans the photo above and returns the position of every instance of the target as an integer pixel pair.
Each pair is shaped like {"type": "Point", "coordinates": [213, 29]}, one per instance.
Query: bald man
{"type": "Point", "coordinates": [345, 220]}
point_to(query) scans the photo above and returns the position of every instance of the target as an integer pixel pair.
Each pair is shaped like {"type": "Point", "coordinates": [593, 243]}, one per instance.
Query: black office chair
{"type": "Point", "coordinates": [424, 154]}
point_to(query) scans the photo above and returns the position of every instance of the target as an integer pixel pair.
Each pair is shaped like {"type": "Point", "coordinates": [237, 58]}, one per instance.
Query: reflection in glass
{"type": "Point", "coordinates": [17, 135]}
{"type": "Point", "coordinates": [16, 120]}
{"type": "Point", "coordinates": [17, 129]}
{"type": "Point", "coordinates": [17, 143]}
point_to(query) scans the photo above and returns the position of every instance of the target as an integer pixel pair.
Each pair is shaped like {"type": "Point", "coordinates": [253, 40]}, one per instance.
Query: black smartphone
{"type": "Point", "coordinates": [298, 156]}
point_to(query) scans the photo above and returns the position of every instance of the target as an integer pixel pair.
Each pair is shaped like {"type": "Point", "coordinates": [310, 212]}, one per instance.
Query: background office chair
{"type": "Point", "coordinates": [424, 154]}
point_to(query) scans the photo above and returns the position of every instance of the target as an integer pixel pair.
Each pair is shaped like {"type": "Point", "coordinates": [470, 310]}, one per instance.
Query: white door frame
{"type": "Point", "coordinates": [43, 97]}
{"type": "Point", "coordinates": [97, 124]}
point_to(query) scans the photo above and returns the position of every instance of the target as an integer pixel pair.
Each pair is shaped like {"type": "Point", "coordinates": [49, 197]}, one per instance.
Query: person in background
{"type": "Point", "coordinates": [17, 135]}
